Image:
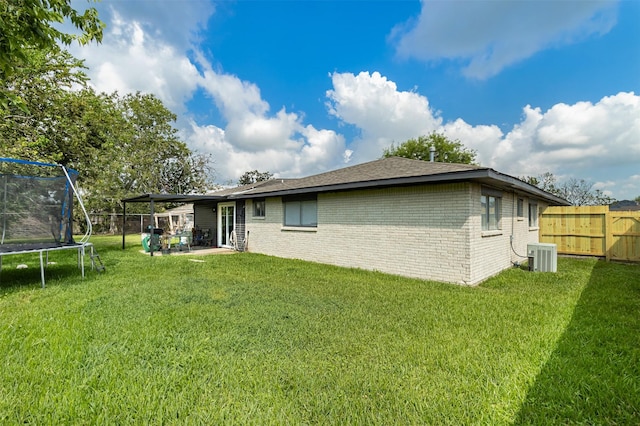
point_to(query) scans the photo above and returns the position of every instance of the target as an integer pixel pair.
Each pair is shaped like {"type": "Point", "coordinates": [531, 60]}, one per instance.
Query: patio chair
{"type": "Point", "coordinates": [184, 239]}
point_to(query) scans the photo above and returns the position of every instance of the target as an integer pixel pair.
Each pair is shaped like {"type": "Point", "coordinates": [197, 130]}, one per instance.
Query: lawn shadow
{"type": "Point", "coordinates": [22, 270]}
{"type": "Point", "coordinates": [13, 279]}
{"type": "Point", "coordinates": [593, 375]}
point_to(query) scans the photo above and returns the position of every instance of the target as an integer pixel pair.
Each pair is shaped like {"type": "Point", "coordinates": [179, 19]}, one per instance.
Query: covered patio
{"type": "Point", "coordinates": [152, 199]}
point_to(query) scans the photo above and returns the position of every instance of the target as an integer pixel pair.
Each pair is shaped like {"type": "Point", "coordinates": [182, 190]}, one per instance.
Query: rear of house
{"type": "Point", "coordinates": [439, 232]}
{"type": "Point", "coordinates": [445, 222]}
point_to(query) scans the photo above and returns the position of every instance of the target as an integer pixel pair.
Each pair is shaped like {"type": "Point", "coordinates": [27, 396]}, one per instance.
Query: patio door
{"type": "Point", "coordinates": [226, 223]}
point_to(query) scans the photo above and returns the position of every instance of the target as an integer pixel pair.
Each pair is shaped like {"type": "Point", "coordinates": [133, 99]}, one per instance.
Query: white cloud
{"type": "Point", "coordinates": [582, 136]}
{"type": "Point", "coordinates": [597, 142]}
{"type": "Point", "coordinates": [382, 112]}
{"type": "Point", "coordinates": [593, 141]}
{"type": "Point", "coordinates": [487, 36]}
{"type": "Point", "coordinates": [323, 148]}
{"type": "Point", "coordinates": [321, 151]}
{"type": "Point", "coordinates": [257, 140]}
{"type": "Point", "coordinates": [483, 139]}
{"type": "Point", "coordinates": [135, 57]}
{"type": "Point", "coordinates": [233, 97]}
{"type": "Point", "coordinates": [129, 60]}
{"type": "Point", "coordinates": [178, 23]}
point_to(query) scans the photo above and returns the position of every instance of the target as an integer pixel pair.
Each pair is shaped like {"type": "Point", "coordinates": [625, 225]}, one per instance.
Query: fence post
{"type": "Point", "coordinates": [608, 234]}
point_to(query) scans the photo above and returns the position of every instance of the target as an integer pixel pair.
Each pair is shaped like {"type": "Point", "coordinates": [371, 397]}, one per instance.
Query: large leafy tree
{"type": "Point", "coordinates": [26, 25]}
{"type": "Point", "coordinates": [254, 176]}
{"type": "Point", "coordinates": [39, 132]}
{"type": "Point", "coordinates": [122, 145]}
{"type": "Point", "coordinates": [146, 155]}
{"type": "Point", "coordinates": [546, 182]}
{"type": "Point", "coordinates": [446, 150]}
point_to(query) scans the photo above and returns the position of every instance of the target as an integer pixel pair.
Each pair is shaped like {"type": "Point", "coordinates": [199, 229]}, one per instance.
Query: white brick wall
{"type": "Point", "coordinates": [491, 252]}
{"type": "Point", "coordinates": [417, 231]}
{"type": "Point", "coordinates": [428, 231]}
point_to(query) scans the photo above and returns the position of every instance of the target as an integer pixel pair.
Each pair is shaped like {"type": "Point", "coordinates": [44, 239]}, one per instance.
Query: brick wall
{"type": "Point", "coordinates": [492, 251]}
{"type": "Point", "coordinates": [429, 232]}
{"type": "Point", "coordinates": [419, 231]}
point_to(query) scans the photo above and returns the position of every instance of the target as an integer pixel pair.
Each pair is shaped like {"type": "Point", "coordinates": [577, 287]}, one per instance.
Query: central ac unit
{"type": "Point", "coordinates": [543, 257]}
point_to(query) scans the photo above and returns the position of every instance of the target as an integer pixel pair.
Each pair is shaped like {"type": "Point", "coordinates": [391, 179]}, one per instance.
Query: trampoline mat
{"type": "Point", "coordinates": [26, 247]}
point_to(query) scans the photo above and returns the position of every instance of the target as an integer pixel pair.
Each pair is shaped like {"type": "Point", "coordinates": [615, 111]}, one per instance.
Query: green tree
{"type": "Point", "coordinates": [26, 25]}
{"type": "Point", "coordinates": [546, 182]}
{"type": "Point", "coordinates": [121, 145]}
{"type": "Point", "coordinates": [38, 133]}
{"type": "Point", "coordinates": [446, 150]}
{"type": "Point", "coordinates": [578, 192]}
{"type": "Point", "coordinates": [147, 156]}
{"type": "Point", "coordinates": [254, 176]}
{"type": "Point", "coordinates": [191, 174]}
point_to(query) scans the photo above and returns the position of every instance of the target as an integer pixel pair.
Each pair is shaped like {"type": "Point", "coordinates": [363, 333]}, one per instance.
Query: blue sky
{"type": "Point", "coordinates": [301, 87]}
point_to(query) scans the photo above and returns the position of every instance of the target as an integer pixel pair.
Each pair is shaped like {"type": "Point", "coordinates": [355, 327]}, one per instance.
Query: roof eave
{"type": "Point", "coordinates": [487, 176]}
{"type": "Point", "coordinates": [522, 186]}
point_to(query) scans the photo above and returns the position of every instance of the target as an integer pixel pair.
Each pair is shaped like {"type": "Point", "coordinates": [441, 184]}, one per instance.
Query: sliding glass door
{"type": "Point", "coordinates": [226, 223]}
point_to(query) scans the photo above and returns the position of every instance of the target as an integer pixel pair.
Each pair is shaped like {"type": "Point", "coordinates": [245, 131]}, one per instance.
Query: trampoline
{"type": "Point", "coordinates": [36, 211]}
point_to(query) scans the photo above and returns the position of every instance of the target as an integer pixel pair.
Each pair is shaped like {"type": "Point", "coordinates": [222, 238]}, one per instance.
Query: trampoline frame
{"type": "Point", "coordinates": [46, 247]}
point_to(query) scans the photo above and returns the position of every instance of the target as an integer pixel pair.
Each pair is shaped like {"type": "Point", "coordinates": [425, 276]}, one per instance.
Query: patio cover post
{"type": "Point", "coordinates": [124, 220]}
{"type": "Point", "coordinates": [152, 228]}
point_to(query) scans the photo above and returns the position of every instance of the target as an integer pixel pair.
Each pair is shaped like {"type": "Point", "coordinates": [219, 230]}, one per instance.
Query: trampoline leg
{"type": "Point", "coordinates": [82, 260]}
{"type": "Point", "coordinates": [41, 269]}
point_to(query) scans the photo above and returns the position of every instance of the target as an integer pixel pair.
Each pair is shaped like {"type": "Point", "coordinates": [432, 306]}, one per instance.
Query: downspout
{"type": "Point", "coordinates": [511, 237]}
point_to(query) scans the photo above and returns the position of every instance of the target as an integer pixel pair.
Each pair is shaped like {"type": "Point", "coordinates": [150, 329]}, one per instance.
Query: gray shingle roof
{"type": "Point", "coordinates": [378, 171]}
{"type": "Point", "coordinates": [386, 168]}
{"type": "Point", "coordinates": [392, 171]}
{"type": "Point", "coordinates": [387, 172]}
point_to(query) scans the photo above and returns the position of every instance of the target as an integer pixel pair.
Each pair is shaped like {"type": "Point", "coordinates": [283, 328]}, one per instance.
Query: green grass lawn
{"type": "Point", "coordinates": [251, 339]}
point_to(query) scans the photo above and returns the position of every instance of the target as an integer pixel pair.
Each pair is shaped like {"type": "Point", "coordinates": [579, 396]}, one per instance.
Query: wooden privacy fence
{"type": "Point", "coordinates": [592, 231]}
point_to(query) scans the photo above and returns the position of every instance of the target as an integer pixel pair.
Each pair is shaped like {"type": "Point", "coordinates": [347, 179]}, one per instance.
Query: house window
{"type": "Point", "coordinates": [301, 212]}
{"type": "Point", "coordinates": [533, 215]}
{"type": "Point", "coordinates": [491, 205]}
{"type": "Point", "coordinates": [259, 208]}
{"type": "Point", "coordinates": [520, 207]}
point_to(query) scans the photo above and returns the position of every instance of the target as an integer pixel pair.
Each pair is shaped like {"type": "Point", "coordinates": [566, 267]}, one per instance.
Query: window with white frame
{"type": "Point", "coordinates": [259, 208]}
{"type": "Point", "coordinates": [491, 210]}
{"type": "Point", "coordinates": [520, 208]}
{"type": "Point", "coordinates": [533, 215]}
{"type": "Point", "coordinates": [301, 212]}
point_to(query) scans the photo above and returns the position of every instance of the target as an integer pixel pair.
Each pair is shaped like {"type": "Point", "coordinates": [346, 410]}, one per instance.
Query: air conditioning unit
{"type": "Point", "coordinates": [542, 257]}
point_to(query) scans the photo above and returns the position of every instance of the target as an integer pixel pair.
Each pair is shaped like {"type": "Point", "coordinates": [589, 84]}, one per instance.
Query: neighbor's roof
{"type": "Point", "coordinates": [171, 198]}
{"type": "Point", "coordinates": [392, 171]}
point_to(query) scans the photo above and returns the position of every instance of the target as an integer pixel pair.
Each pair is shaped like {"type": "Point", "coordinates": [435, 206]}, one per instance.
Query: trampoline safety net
{"type": "Point", "coordinates": [36, 203]}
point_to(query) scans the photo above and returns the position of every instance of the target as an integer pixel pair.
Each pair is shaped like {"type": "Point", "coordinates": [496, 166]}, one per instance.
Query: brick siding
{"type": "Point", "coordinates": [429, 231]}
{"type": "Point", "coordinates": [420, 231]}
